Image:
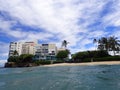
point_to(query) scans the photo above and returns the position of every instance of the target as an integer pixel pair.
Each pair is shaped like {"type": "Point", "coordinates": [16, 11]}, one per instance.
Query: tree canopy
{"type": "Point", "coordinates": [65, 43]}
{"type": "Point", "coordinates": [108, 43]}
{"type": "Point", "coordinates": [62, 54]}
{"type": "Point", "coordinates": [24, 58]}
{"type": "Point", "coordinates": [80, 56]}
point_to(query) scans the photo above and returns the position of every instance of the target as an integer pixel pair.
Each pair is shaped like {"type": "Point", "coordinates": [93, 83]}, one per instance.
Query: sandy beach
{"type": "Point", "coordinates": [86, 64]}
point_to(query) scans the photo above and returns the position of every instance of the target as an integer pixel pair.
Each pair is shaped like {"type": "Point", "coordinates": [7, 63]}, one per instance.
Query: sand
{"type": "Point", "coordinates": [86, 64]}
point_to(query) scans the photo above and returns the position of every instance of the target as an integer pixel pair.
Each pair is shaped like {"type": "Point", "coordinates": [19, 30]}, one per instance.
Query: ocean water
{"type": "Point", "coordinates": [100, 77]}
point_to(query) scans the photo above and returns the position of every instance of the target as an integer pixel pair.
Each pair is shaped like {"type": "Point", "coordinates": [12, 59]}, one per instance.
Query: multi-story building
{"type": "Point", "coordinates": [22, 48]}
{"type": "Point", "coordinates": [15, 46]}
{"type": "Point", "coordinates": [28, 48]}
{"type": "Point", "coordinates": [46, 52]}
{"type": "Point", "coordinates": [12, 48]}
{"type": "Point", "coordinates": [41, 51]}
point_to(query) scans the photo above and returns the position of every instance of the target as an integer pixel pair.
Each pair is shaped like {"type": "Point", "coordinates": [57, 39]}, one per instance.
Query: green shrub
{"type": "Point", "coordinates": [61, 55]}
{"type": "Point", "coordinates": [87, 60]}
{"type": "Point", "coordinates": [13, 59]}
{"type": "Point", "coordinates": [25, 58]}
{"type": "Point", "coordinates": [42, 62]}
{"type": "Point", "coordinates": [80, 56]}
{"type": "Point", "coordinates": [86, 55]}
{"type": "Point", "coordinates": [100, 53]}
{"type": "Point", "coordinates": [110, 58]}
{"type": "Point", "coordinates": [58, 61]}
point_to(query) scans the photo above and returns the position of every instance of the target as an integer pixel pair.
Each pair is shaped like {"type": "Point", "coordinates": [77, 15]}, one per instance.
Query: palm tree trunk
{"type": "Point", "coordinates": [114, 52]}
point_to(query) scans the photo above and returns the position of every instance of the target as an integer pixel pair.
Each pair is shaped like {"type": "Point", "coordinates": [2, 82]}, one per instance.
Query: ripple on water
{"type": "Point", "coordinates": [61, 78]}
{"type": "Point", "coordinates": [2, 84]}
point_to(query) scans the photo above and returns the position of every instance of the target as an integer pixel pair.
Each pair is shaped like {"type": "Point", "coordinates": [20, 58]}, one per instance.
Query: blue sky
{"type": "Point", "coordinates": [52, 21]}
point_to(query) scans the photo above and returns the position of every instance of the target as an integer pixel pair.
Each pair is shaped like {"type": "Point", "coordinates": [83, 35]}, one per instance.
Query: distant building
{"type": "Point", "coordinates": [29, 48]}
{"type": "Point", "coordinates": [22, 48]}
{"type": "Point", "coordinates": [46, 52]}
{"type": "Point", "coordinates": [41, 51]}
{"type": "Point", "coordinates": [15, 46]}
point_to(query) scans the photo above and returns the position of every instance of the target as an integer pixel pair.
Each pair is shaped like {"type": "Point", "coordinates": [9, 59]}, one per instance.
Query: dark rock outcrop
{"type": "Point", "coordinates": [13, 65]}
{"type": "Point", "coordinates": [10, 64]}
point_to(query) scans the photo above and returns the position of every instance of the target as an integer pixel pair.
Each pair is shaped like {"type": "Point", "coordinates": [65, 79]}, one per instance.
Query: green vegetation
{"type": "Point", "coordinates": [81, 56]}
{"type": "Point", "coordinates": [15, 53]}
{"type": "Point", "coordinates": [58, 61]}
{"type": "Point", "coordinates": [108, 43]}
{"type": "Point", "coordinates": [109, 58]}
{"type": "Point", "coordinates": [42, 62]}
{"type": "Point", "coordinates": [64, 43]}
{"type": "Point", "coordinates": [13, 59]}
{"type": "Point", "coordinates": [24, 58]}
{"type": "Point", "coordinates": [47, 62]}
{"type": "Point", "coordinates": [62, 55]}
{"type": "Point", "coordinates": [104, 45]}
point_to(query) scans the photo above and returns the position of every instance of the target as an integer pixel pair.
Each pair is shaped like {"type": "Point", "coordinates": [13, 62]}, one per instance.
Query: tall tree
{"type": "Point", "coordinates": [114, 44]}
{"type": "Point", "coordinates": [63, 54]}
{"type": "Point", "coordinates": [95, 42]}
{"type": "Point", "coordinates": [103, 44]}
{"type": "Point", "coordinates": [24, 58]}
{"type": "Point", "coordinates": [15, 53]}
{"type": "Point", "coordinates": [64, 43]}
{"type": "Point", "coordinates": [109, 44]}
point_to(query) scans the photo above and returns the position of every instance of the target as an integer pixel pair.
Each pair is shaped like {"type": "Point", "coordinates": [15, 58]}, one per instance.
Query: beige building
{"type": "Point", "coordinates": [46, 51]}
{"type": "Point", "coordinates": [52, 48]}
{"type": "Point", "coordinates": [28, 48]}
{"type": "Point", "coordinates": [61, 49]}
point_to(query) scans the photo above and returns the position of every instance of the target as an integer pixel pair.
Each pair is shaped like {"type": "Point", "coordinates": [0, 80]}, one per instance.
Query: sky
{"type": "Point", "coordinates": [52, 21]}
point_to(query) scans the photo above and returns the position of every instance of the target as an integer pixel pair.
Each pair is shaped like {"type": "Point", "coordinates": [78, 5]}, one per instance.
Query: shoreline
{"type": "Point", "coordinates": [85, 64]}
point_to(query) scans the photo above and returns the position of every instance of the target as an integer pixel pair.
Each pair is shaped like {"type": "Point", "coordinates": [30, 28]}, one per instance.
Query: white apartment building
{"type": "Point", "coordinates": [15, 46]}
{"type": "Point", "coordinates": [41, 51]}
{"type": "Point", "coordinates": [22, 48]}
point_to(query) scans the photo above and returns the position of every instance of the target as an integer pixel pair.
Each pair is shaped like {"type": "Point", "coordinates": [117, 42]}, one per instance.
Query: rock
{"type": "Point", "coordinates": [13, 64]}
{"type": "Point", "coordinates": [10, 64]}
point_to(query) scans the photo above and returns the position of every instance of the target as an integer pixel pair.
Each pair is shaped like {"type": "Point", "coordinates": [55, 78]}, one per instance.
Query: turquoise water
{"type": "Point", "coordinates": [61, 78]}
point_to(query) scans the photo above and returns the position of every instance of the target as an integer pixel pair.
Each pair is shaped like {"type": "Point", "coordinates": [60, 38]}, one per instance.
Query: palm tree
{"type": "Point", "coordinates": [109, 44]}
{"type": "Point", "coordinates": [15, 53]}
{"type": "Point", "coordinates": [64, 43]}
{"type": "Point", "coordinates": [118, 49]}
{"type": "Point", "coordinates": [103, 44]}
{"type": "Point", "coordinates": [100, 44]}
{"type": "Point", "coordinates": [95, 42]}
{"type": "Point", "coordinates": [114, 44]}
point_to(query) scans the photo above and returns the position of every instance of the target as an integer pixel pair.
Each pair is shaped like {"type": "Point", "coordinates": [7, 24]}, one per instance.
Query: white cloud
{"type": "Point", "coordinates": [114, 17]}
{"type": "Point", "coordinates": [4, 48]}
{"type": "Point", "coordinates": [6, 26]}
{"type": "Point", "coordinates": [116, 34]}
{"type": "Point", "coordinates": [62, 19]}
